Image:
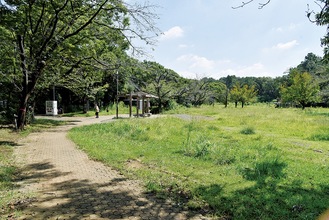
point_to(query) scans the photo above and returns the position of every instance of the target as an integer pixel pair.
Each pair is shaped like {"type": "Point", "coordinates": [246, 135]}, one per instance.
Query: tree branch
{"type": "Point", "coordinates": [87, 23]}
{"type": "Point", "coordinates": [318, 15]}
{"type": "Point", "coordinates": [53, 29]}
{"type": "Point", "coordinates": [260, 5]}
{"type": "Point", "coordinates": [40, 18]}
{"type": "Point", "coordinates": [242, 4]}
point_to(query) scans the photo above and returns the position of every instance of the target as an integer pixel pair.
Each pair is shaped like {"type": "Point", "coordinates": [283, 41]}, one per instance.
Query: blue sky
{"type": "Point", "coordinates": [207, 38]}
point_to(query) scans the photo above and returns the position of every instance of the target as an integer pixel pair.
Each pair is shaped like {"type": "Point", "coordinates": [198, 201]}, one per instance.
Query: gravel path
{"type": "Point", "coordinates": [68, 185]}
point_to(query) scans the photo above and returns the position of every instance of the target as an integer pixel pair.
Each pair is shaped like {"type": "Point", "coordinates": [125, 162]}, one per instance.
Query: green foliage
{"type": "Point", "coordinates": [248, 130]}
{"type": "Point", "coordinates": [155, 79]}
{"type": "Point", "coordinates": [267, 88]}
{"type": "Point", "coordinates": [242, 94]}
{"type": "Point", "coordinates": [68, 44]}
{"type": "Point", "coordinates": [217, 92]}
{"type": "Point", "coordinates": [321, 18]}
{"type": "Point", "coordinates": [275, 174]}
{"type": "Point", "coordinates": [302, 90]}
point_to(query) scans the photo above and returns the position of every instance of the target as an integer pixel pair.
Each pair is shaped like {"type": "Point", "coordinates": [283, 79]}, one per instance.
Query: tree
{"type": "Point", "coordinates": [248, 94]}
{"type": "Point", "coordinates": [312, 64]}
{"type": "Point", "coordinates": [235, 94]}
{"type": "Point", "coordinates": [45, 32]}
{"type": "Point", "coordinates": [9, 83]}
{"type": "Point", "coordinates": [198, 92]}
{"type": "Point", "coordinates": [160, 81]}
{"type": "Point", "coordinates": [302, 90]}
{"type": "Point", "coordinates": [242, 94]}
{"type": "Point", "coordinates": [267, 88]}
{"type": "Point", "coordinates": [316, 66]}
{"type": "Point", "coordinates": [321, 19]}
{"type": "Point", "coordinates": [228, 82]}
{"type": "Point", "coordinates": [217, 92]}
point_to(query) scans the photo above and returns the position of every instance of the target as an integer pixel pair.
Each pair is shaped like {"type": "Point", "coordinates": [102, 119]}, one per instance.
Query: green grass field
{"type": "Point", "coordinates": [253, 163]}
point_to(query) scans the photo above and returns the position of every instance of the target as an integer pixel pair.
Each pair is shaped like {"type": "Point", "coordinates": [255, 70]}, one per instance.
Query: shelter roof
{"type": "Point", "coordinates": [142, 95]}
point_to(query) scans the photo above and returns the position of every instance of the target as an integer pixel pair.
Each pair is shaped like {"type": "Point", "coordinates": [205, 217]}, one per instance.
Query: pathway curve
{"type": "Point", "coordinates": [68, 185]}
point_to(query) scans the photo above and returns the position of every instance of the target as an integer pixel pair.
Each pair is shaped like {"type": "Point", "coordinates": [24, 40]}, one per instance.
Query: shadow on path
{"type": "Point", "coordinates": [64, 198]}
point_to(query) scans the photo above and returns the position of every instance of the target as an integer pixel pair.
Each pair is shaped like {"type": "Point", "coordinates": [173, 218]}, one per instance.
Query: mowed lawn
{"type": "Point", "coordinates": [258, 162]}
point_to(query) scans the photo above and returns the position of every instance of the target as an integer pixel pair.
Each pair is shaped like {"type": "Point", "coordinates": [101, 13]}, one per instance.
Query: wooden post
{"type": "Point", "coordinates": [148, 105]}
{"type": "Point", "coordinates": [143, 106]}
{"type": "Point", "coordinates": [130, 104]}
{"type": "Point", "coordinates": [137, 99]}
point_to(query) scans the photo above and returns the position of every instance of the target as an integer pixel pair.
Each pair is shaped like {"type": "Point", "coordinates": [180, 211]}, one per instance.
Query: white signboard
{"type": "Point", "coordinates": [51, 108]}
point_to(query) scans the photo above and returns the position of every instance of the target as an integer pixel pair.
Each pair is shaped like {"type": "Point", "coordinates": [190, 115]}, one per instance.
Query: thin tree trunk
{"type": "Point", "coordinates": [226, 98]}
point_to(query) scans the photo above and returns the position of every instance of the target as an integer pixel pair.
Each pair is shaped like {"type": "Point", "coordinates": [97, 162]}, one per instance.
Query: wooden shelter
{"type": "Point", "coordinates": [142, 103]}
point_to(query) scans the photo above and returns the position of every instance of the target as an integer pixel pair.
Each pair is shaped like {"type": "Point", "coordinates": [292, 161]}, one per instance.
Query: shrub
{"type": "Point", "coordinates": [201, 148]}
{"type": "Point", "coordinates": [248, 130]}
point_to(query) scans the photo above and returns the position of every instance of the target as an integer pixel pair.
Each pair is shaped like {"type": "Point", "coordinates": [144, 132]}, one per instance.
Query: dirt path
{"type": "Point", "coordinates": [68, 185]}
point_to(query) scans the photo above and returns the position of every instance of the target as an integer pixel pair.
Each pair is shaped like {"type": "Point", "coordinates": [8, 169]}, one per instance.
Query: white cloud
{"type": "Point", "coordinates": [183, 46]}
{"type": "Point", "coordinates": [172, 33]}
{"type": "Point", "coordinates": [290, 27]}
{"type": "Point", "coordinates": [285, 46]}
{"type": "Point", "coordinates": [293, 26]}
{"type": "Point", "coordinates": [256, 70]}
{"type": "Point", "coordinates": [196, 62]}
{"type": "Point", "coordinates": [194, 66]}
{"type": "Point", "coordinates": [279, 29]}
{"type": "Point", "coordinates": [191, 75]}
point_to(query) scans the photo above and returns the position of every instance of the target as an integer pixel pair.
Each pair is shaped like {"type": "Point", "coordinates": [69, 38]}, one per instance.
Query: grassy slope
{"type": "Point", "coordinates": [253, 163]}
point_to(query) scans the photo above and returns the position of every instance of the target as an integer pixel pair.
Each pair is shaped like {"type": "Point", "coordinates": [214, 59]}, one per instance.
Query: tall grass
{"type": "Point", "coordinates": [253, 163]}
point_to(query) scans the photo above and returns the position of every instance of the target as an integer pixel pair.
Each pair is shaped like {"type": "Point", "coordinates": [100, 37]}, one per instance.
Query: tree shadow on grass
{"type": "Point", "coordinates": [83, 199]}
{"type": "Point", "coordinates": [270, 197]}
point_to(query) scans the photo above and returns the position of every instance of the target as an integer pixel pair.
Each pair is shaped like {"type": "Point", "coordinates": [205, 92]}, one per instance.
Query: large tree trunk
{"type": "Point", "coordinates": [28, 82]}
{"type": "Point", "coordinates": [25, 94]}
{"type": "Point", "coordinates": [22, 111]}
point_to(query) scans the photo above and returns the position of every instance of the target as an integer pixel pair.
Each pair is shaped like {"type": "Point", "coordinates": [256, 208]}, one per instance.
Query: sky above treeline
{"type": "Point", "coordinates": [208, 38]}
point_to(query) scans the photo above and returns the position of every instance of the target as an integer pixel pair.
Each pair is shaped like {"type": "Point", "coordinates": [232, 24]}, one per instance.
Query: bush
{"type": "Point", "coordinates": [200, 148]}
{"type": "Point", "coordinates": [248, 130]}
